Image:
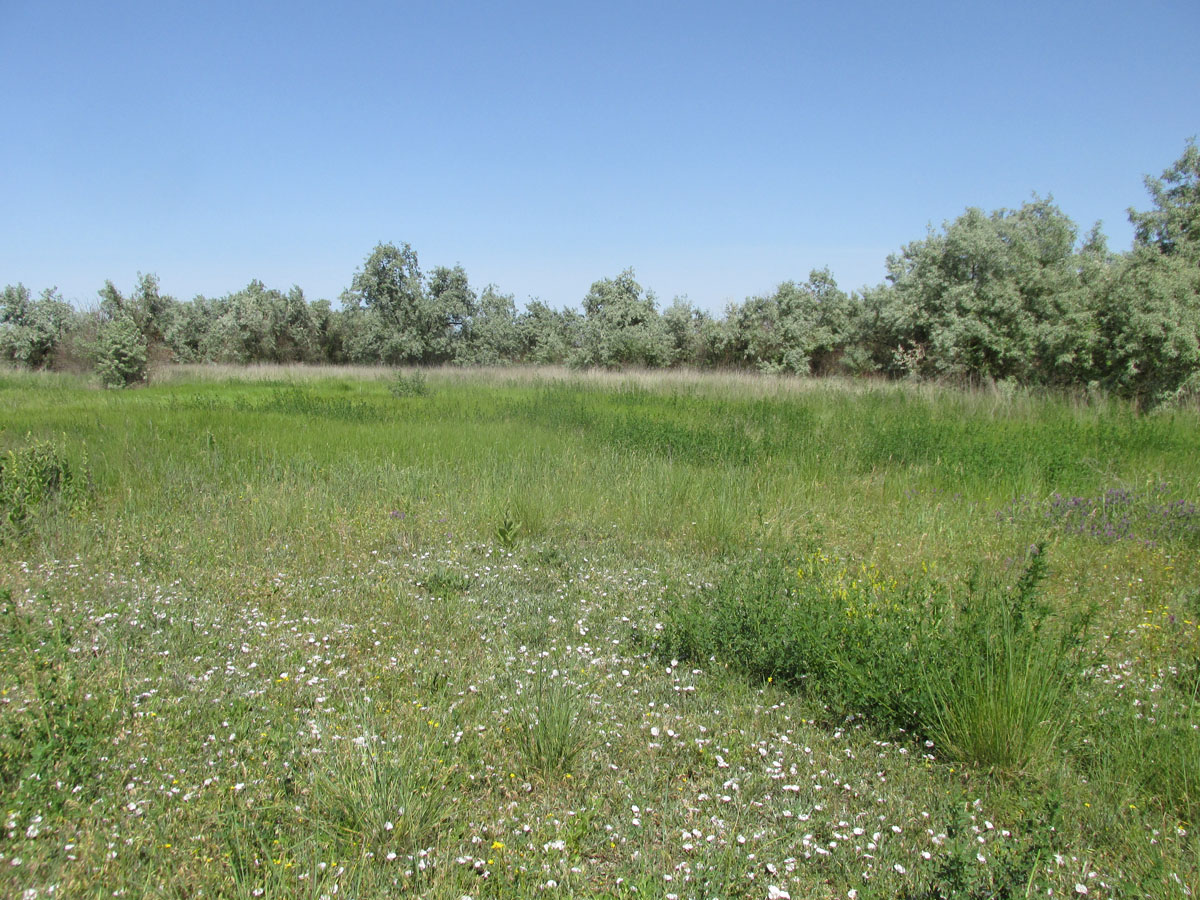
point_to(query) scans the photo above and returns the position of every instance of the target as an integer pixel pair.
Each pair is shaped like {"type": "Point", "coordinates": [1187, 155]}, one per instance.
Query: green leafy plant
{"type": "Point", "coordinates": [507, 531]}
{"type": "Point", "coordinates": [33, 477]}
{"type": "Point", "coordinates": [442, 582]}
{"type": "Point", "coordinates": [988, 679]}
{"type": "Point", "coordinates": [121, 353]}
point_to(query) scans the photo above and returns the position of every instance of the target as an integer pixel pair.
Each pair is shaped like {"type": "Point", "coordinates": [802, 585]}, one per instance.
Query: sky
{"type": "Point", "coordinates": [717, 149]}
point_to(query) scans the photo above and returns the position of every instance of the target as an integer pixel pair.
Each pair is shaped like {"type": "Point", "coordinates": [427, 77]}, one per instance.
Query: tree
{"type": "Point", "coordinates": [1150, 328]}
{"type": "Point", "coordinates": [987, 298]}
{"type": "Point", "coordinates": [545, 335]}
{"type": "Point", "coordinates": [688, 333]}
{"type": "Point", "coordinates": [800, 328]}
{"type": "Point", "coordinates": [189, 333]}
{"type": "Point", "coordinates": [298, 335]}
{"type": "Point", "coordinates": [248, 327]}
{"type": "Point", "coordinates": [452, 309]}
{"type": "Point", "coordinates": [1173, 226]}
{"type": "Point", "coordinates": [493, 338]}
{"type": "Point", "coordinates": [32, 330]}
{"type": "Point", "coordinates": [1149, 305]}
{"type": "Point", "coordinates": [621, 326]}
{"type": "Point", "coordinates": [395, 319]}
{"type": "Point", "coordinates": [121, 352]}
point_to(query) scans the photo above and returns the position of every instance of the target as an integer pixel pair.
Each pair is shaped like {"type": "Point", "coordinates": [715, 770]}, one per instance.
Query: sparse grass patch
{"type": "Point", "coordinates": [375, 796]}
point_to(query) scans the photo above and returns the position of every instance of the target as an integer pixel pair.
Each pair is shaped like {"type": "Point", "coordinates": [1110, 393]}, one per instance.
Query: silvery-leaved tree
{"type": "Point", "coordinates": [32, 330]}
{"type": "Point", "coordinates": [987, 297]}
{"type": "Point", "coordinates": [390, 316]}
{"type": "Point", "coordinates": [1150, 307]}
{"type": "Point", "coordinates": [621, 326]}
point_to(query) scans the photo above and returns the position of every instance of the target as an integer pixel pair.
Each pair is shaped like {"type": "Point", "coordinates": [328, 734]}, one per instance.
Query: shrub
{"type": "Point", "coordinates": [121, 353]}
{"type": "Point", "coordinates": [1004, 702]}
{"type": "Point", "coordinates": [412, 385]}
{"type": "Point", "coordinates": [30, 478]}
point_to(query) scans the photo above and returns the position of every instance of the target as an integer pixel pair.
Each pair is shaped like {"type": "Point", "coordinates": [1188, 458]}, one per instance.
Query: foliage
{"type": "Point", "coordinates": [987, 678]}
{"type": "Point", "coordinates": [493, 338]}
{"type": "Point", "coordinates": [621, 327]}
{"type": "Point", "coordinates": [800, 329]}
{"type": "Point", "coordinates": [545, 335]}
{"type": "Point", "coordinates": [150, 310]}
{"type": "Point", "coordinates": [411, 384]}
{"type": "Point", "coordinates": [389, 308]}
{"type": "Point", "coordinates": [507, 531]}
{"type": "Point", "coordinates": [453, 307]}
{"type": "Point", "coordinates": [32, 478]}
{"type": "Point", "coordinates": [992, 296]}
{"type": "Point", "coordinates": [31, 330]}
{"type": "Point", "coordinates": [121, 358]}
{"type": "Point", "coordinates": [1014, 298]}
{"type": "Point", "coordinates": [1173, 227]}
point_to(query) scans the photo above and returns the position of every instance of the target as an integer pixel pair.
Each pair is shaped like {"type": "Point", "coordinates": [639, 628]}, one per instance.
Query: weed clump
{"type": "Point", "coordinates": [414, 384]}
{"type": "Point", "coordinates": [988, 678]}
{"type": "Point", "coordinates": [550, 729]}
{"type": "Point", "coordinates": [32, 479]}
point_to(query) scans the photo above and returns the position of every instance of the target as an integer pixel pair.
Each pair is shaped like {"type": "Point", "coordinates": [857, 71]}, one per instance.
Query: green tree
{"type": "Point", "coordinates": [32, 330]}
{"type": "Point", "coordinates": [493, 338]}
{"type": "Point", "coordinates": [121, 352]}
{"type": "Point", "coordinates": [390, 310]}
{"type": "Point", "coordinates": [452, 308]}
{"type": "Point", "coordinates": [1150, 328]}
{"type": "Point", "coordinates": [801, 328]}
{"type": "Point", "coordinates": [1149, 307]}
{"type": "Point", "coordinates": [621, 326]}
{"type": "Point", "coordinates": [988, 298]}
{"type": "Point", "coordinates": [248, 327]}
{"type": "Point", "coordinates": [1173, 226]}
{"type": "Point", "coordinates": [188, 335]}
{"type": "Point", "coordinates": [150, 309]}
{"type": "Point", "coordinates": [545, 336]}
{"type": "Point", "coordinates": [689, 334]}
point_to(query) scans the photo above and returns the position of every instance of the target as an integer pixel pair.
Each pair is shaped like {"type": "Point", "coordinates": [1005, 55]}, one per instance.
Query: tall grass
{"type": "Point", "coordinates": [842, 569]}
{"type": "Point", "coordinates": [988, 676]}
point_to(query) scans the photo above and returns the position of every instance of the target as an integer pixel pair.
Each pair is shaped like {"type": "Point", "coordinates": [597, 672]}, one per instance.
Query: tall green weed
{"type": "Point", "coordinates": [31, 479]}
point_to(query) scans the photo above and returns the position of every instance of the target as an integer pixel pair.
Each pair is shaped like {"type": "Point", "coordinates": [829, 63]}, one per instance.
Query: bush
{"type": "Point", "coordinates": [414, 384]}
{"type": "Point", "coordinates": [121, 353]}
{"type": "Point", "coordinates": [30, 478]}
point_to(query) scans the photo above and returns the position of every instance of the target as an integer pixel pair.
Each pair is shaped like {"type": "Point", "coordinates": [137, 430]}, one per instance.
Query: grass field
{"type": "Point", "coordinates": [315, 633]}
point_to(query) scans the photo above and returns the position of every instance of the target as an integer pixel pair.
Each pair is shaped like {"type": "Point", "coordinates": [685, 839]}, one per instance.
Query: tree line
{"type": "Point", "coordinates": [1016, 296]}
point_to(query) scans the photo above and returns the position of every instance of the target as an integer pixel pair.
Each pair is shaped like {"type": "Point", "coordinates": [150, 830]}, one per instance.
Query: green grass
{"type": "Point", "coordinates": [636, 635]}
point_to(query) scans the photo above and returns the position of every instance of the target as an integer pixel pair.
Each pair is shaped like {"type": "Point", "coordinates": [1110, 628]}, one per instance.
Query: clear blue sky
{"type": "Point", "coordinates": [717, 148]}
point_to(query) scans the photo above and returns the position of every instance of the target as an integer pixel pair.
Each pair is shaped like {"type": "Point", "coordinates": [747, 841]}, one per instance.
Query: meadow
{"type": "Point", "coordinates": [314, 632]}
